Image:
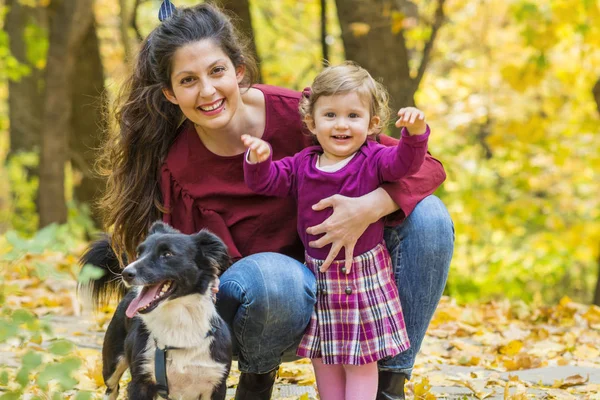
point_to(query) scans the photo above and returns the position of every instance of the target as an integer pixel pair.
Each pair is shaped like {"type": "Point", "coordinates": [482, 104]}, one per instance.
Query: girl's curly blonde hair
{"type": "Point", "coordinates": [348, 77]}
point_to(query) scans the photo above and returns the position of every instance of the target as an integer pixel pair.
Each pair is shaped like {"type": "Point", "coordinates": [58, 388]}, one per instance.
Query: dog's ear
{"type": "Point", "coordinates": [161, 227]}
{"type": "Point", "coordinates": [210, 247]}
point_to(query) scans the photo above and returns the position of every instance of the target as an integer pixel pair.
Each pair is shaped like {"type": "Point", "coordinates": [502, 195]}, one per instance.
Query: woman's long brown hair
{"type": "Point", "coordinates": [147, 123]}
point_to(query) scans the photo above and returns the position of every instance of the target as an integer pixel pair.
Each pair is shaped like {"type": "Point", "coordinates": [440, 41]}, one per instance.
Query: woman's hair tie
{"type": "Point", "coordinates": [306, 92]}
{"type": "Point", "coordinates": [166, 10]}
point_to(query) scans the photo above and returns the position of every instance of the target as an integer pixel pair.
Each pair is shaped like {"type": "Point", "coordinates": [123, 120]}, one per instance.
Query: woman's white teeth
{"type": "Point", "coordinates": [213, 106]}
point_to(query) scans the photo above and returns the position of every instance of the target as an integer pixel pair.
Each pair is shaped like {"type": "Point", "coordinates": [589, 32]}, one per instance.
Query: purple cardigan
{"type": "Point", "coordinates": [298, 176]}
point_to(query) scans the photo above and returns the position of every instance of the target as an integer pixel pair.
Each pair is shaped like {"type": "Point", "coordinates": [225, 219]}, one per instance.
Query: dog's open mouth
{"type": "Point", "coordinates": [149, 298]}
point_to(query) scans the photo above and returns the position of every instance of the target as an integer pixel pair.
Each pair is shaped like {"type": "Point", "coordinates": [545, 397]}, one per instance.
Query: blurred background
{"type": "Point", "coordinates": [511, 89]}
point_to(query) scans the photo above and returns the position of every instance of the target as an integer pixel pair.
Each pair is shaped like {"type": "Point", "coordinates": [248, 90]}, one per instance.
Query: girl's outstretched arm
{"type": "Point", "coordinates": [258, 149]}
{"type": "Point", "coordinates": [265, 176]}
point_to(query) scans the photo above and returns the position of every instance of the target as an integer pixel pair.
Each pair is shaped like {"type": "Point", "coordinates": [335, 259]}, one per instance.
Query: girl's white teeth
{"type": "Point", "coordinates": [212, 107]}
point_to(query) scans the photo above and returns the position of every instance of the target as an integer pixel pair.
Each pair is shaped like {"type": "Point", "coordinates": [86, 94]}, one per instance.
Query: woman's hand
{"type": "Point", "coordinates": [259, 149]}
{"type": "Point", "coordinates": [413, 119]}
{"type": "Point", "coordinates": [351, 217]}
{"type": "Point", "coordinates": [215, 289]}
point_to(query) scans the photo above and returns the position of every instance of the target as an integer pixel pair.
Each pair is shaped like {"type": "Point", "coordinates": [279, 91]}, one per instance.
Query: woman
{"type": "Point", "coordinates": [179, 157]}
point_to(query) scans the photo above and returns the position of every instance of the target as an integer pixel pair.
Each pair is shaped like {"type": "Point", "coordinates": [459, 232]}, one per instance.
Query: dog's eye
{"type": "Point", "coordinates": [166, 254]}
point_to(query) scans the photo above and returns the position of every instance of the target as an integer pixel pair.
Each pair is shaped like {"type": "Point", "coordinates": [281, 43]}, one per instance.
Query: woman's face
{"type": "Point", "coordinates": [205, 84]}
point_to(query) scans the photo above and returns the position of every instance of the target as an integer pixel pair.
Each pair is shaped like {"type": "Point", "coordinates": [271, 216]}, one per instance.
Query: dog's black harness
{"type": "Point", "coordinates": [160, 365]}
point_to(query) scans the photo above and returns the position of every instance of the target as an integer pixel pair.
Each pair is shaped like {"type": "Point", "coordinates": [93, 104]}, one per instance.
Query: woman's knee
{"type": "Point", "coordinates": [272, 287]}
{"type": "Point", "coordinates": [267, 300]}
{"type": "Point", "coordinates": [431, 224]}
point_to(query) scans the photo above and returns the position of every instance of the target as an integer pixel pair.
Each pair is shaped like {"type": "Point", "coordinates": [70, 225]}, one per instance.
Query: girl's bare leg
{"type": "Point", "coordinates": [361, 381]}
{"type": "Point", "coordinates": [331, 381]}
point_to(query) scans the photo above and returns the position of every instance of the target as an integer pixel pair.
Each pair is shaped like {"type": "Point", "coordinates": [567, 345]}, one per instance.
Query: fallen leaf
{"type": "Point", "coordinates": [512, 348]}
{"type": "Point", "coordinates": [422, 390]}
{"type": "Point", "coordinates": [570, 381]}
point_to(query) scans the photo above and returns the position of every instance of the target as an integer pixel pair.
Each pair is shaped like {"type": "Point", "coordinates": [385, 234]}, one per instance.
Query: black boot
{"type": "Point", "coordinates": [255, 386]}
{"type": "Point", "coordinates": [391, 385]}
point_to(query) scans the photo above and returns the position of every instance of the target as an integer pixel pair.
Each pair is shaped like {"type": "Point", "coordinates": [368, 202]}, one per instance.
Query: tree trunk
{"type": "Point", "coordinates": [241, 8]}
{"type": "Point", "coordinates": [69, 22]}
{"type": "Point", "coordinates": [25, 99]}
{"type": "Point", "coordinates": [324, 46]}
{"type": "Point", "coordinates": [371, 39]}
{"type": "Point", "coordinates": [87, 121]}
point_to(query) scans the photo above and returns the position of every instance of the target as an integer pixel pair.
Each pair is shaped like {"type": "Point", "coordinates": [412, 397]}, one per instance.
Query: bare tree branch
{"type": "Point", "coordinates": [123, 28]}
{"type": "Point", "coordinates": [596, 92]}
{"type": "Point", "coordinates": [324, 46]}
{"type": "Point", "coordinates": [435, 27]}
{"type": "Point", "coordinates": [133, 21]}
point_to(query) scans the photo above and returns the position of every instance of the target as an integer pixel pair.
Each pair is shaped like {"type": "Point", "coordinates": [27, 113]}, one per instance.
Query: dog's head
{"type": "Point", "coordinates": [171, 264]}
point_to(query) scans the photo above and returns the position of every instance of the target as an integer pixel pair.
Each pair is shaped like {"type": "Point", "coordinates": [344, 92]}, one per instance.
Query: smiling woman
{"type": "Point", "coordinates": [178, 155]}
{"type": "Point", "coordinates": [205, 85]}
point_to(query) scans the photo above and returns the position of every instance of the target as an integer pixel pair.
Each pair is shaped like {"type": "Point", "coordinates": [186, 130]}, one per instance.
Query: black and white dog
{"type": "Point", "coordinates": [166, 329]}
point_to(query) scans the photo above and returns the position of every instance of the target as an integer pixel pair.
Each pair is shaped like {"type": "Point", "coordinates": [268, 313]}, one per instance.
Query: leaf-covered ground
{"type": "Point", "coordinates": [497, 338]}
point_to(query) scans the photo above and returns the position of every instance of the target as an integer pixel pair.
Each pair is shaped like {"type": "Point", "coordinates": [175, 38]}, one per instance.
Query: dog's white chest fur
{"type": "Point", "coordinates": [191, 373]}
{"type": "Point", "coordinates": [183, 323]}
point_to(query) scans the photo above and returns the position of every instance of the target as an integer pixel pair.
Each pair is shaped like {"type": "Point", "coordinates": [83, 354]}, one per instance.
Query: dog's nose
{"type": "Point", "coordinates": [129, 274]}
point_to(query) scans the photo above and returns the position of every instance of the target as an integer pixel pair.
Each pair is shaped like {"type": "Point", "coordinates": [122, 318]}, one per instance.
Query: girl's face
{"type": "Point", "coordinates": [341, 123]}
{"type": "Point", "coordinates": [205, 84]}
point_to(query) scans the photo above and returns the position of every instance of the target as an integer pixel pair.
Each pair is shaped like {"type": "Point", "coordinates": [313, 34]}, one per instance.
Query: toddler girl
{"type": "Point", "coordinates": [358, 317]}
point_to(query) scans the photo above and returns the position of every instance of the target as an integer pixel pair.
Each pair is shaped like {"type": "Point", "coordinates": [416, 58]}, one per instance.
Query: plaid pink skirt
{"type": "Point", "coordinates": [358, 317]}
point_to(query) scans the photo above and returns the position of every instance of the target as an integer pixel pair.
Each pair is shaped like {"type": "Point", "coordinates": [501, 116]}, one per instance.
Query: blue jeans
{"type": "Point", "coordinates": [267, 298]}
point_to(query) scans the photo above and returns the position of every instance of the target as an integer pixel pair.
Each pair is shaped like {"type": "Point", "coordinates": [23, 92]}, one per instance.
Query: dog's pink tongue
{"type": "Point", "coordinates": [145, 297]}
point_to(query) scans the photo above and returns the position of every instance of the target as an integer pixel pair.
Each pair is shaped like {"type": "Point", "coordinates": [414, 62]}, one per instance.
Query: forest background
{"type": "Point", "coordinates": [511, 89]}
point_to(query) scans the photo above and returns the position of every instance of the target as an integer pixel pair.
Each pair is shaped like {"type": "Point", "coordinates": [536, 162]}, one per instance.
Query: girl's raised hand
{"type": "Point", "coordinates": [259, 149]}
{"type": "Point", "coordinates": [413, 119]}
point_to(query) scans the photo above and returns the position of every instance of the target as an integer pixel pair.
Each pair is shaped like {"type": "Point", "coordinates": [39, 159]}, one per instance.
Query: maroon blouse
{"type": "Point", "coordinates": [204, 190]}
